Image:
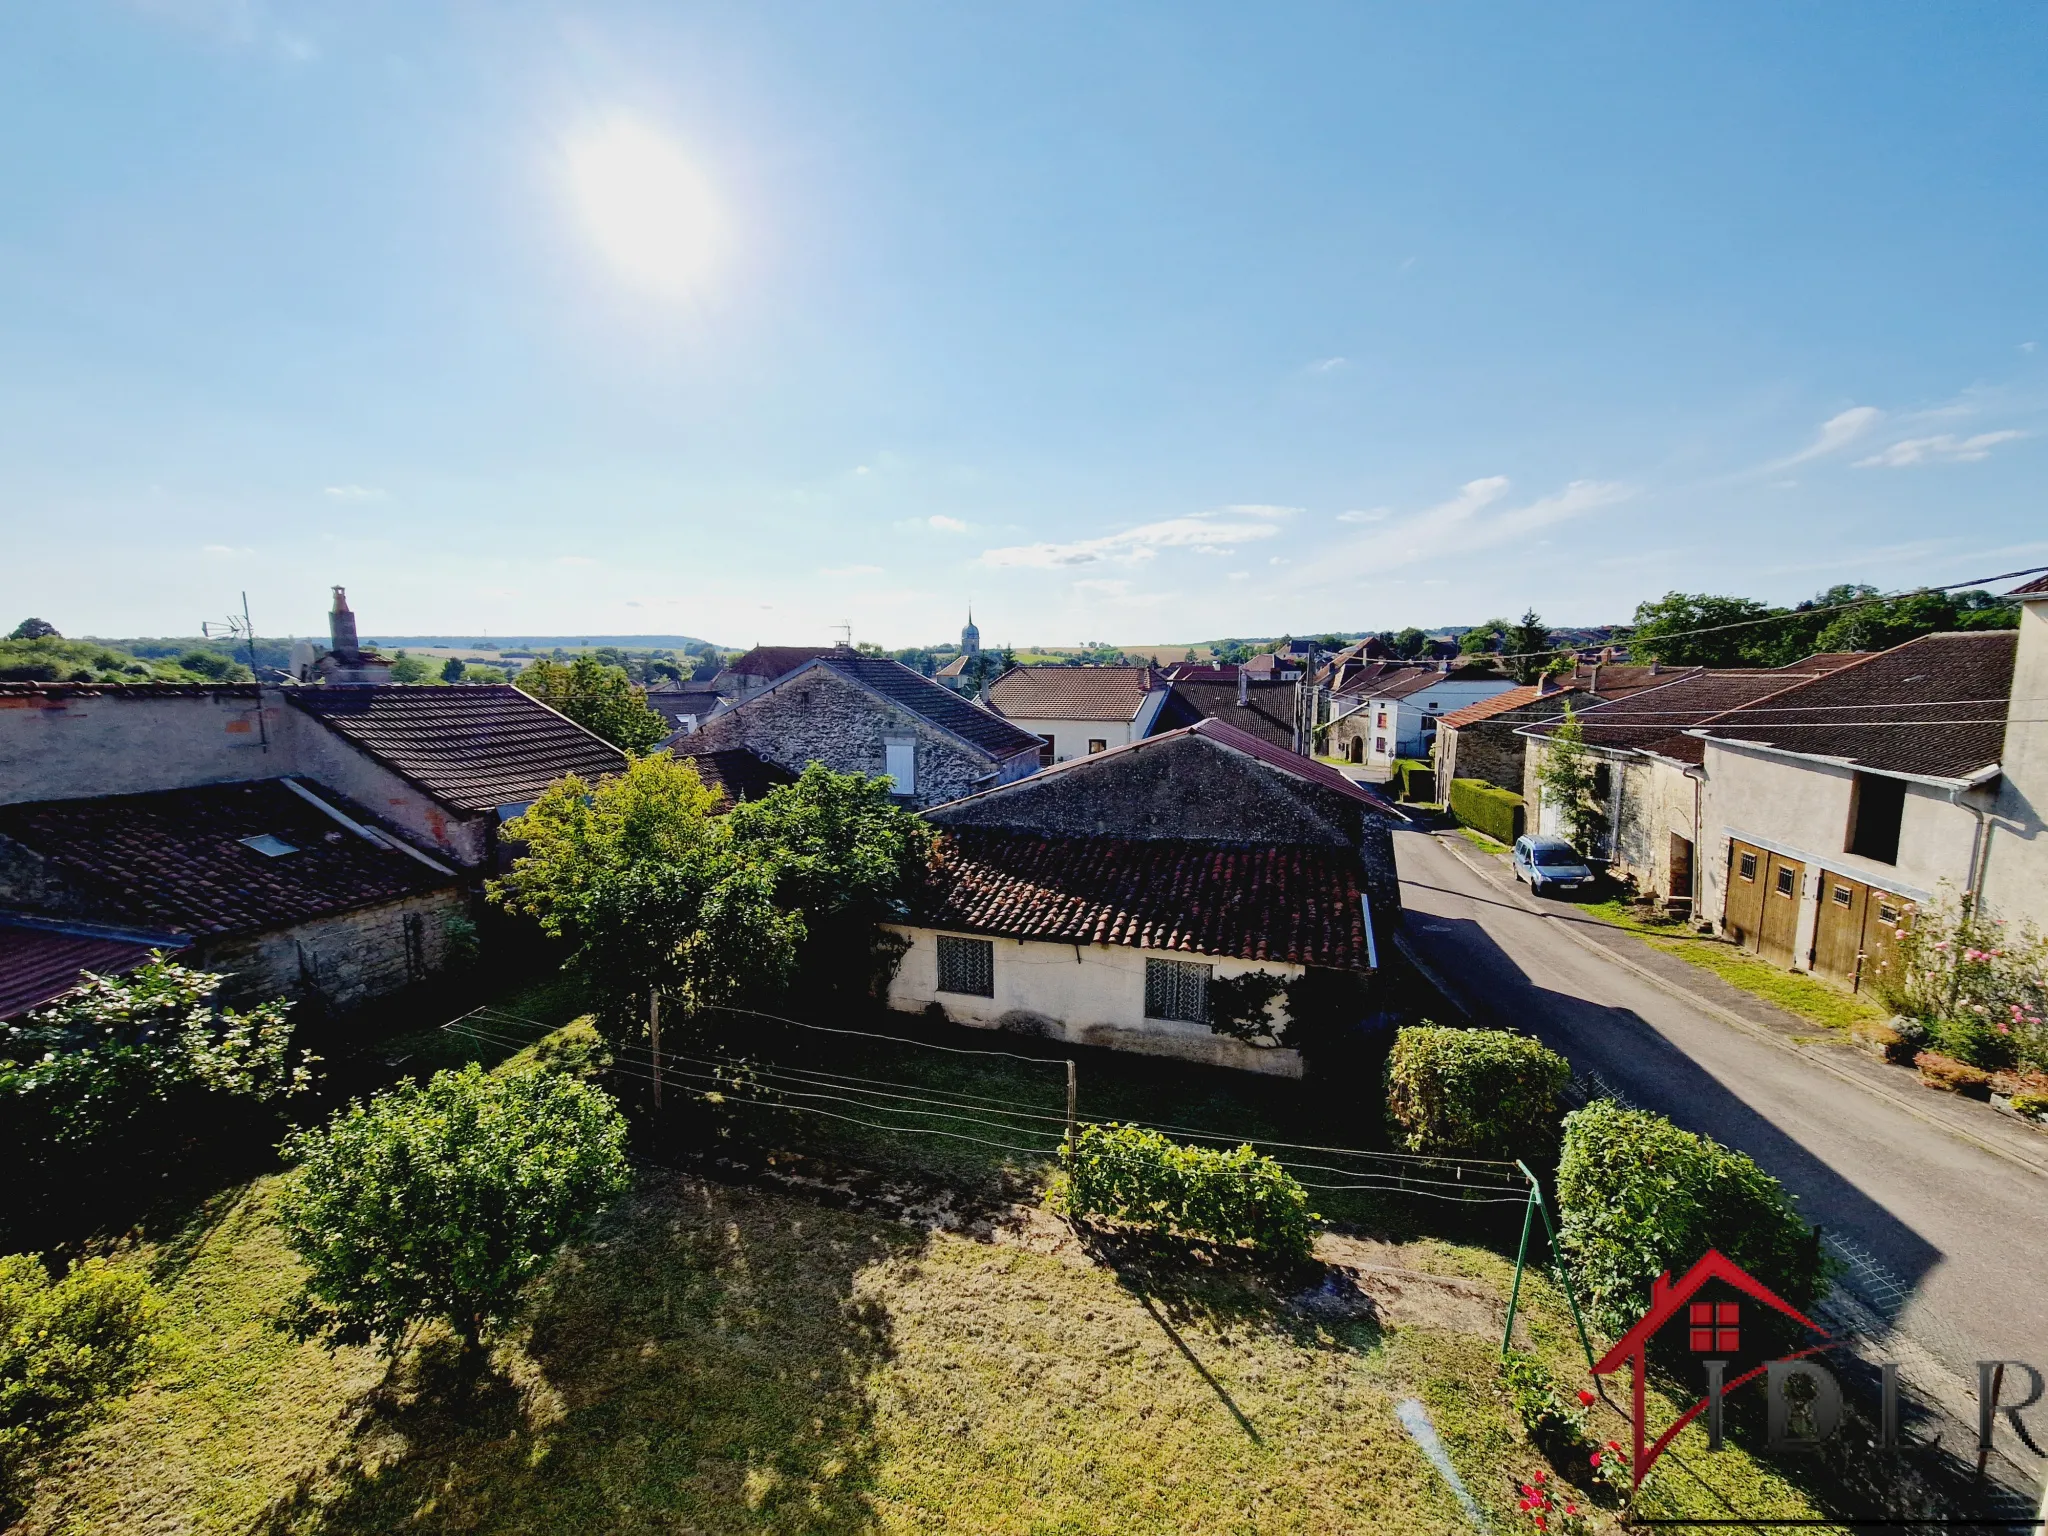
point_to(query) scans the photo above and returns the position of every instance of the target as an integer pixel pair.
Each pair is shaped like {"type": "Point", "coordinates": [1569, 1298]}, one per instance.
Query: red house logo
{"type": "Point", "coordinates": [1713, 1314]}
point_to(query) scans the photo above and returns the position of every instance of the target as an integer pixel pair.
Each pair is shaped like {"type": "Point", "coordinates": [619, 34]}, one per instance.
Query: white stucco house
{"type": "Point", "coordinates": [1396, 714]}
{"type": "Point", "coordinates": [1079, 710]}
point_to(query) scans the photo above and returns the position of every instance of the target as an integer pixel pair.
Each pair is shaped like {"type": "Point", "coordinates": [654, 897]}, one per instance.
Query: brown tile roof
{"type": "Point", "coordinates": [936, 703]}
{"type": "Point", "coordinates": [734, 773]}
{"type": "Point", "coordinates": [1268, 713]}
{"type": "Point", "coordinates": [1658, 717]}
{"type": "Point", "coordinates": [174, 861]}
{"type": "Point", "coordinates": [1427, 678]}
{"type": "Point", "coordinates": [674, 703]}
{"type": "Point", "coordinates": [1366, 677]}
{"type": "Point", "coordinates": [769, 662]}
{"type": "Point", "coordinates": [40, 964]}
{"type": "Point", "coordinates": [1619, 679]}
{"type": "Point", "coordinates": [957, 667]}
{"type": "Point", "coordinates": [2032, 588]}
{"type": "Point", "coordinates": [1500, 704]}
{"type": "Point", "coordinates": [1269, 902]}
{"type": "Point", "coordinates": [471, 748]}
{"type": "Point", "coordinates": [1933, 707]}
{"type": "Point", "coordinates": [1072, 693]}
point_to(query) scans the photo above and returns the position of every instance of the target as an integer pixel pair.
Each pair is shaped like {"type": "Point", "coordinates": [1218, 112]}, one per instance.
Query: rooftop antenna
{"type": "Point", "coordinates": [846, 634]}
{"type": "Point", "coordinates": [234, 628]}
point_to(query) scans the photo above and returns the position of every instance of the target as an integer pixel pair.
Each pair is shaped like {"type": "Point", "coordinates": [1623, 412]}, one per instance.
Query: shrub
{"type": "Point", "coordinates": [1639, 1196]}
{"type": "Point", "coordinates": [2033, 1105]}
{"type": "Point", "coordinates": [1414, 780]}
{"type": "Point", "coordinates": [1127, 1173]}
{"type": "Point", "coordinates": [1952, 1076]}
{"type": "Point", "coordinates": [67, 1346]}
{"type": "Point", "coordinates": [1474, 1092]}
{"type": "Point", "coordinates": [1973, 1041]}
{"type": "Point", "coordinates": [1484, 808]}
{"type": "Point", "coordinates": [1556, 1421]}
{"type": "Point", "coordinates": [1980, 983]}
{"type": "Point", "coordinates": [441, 1202]}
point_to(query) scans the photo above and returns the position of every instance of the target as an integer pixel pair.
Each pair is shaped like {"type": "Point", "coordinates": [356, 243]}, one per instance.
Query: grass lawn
{"type": "Point", "coordinates": [1481, 841]}
{"type": "Point", "coordinates": [1808, 996]}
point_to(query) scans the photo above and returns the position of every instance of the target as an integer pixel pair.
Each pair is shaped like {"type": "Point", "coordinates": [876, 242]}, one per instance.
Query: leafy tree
{"type": "Point", "coordinates": [214, 667]}
{"type": "Point", "coordinates": [1485, 638]}
{"type": "Point", "coordinates": [1529, 642]}
{"type": "Point", "coordinates": [482, 675]}
{"type": "Point", "coordinates": [35, 629]}
{"type": "Point", "coordinates": [410, 669]}
{"type": "Point", "coordinates": [440, 1203]}
{"type": "Point", "coordinates": [1662, 631]}
{"type": "Point", "coordinates": [452, 669]}
{"type": "Point", "coordinates": [68, 1346]}
{"type": "Point", "coordinates": [1881, 625]}
{"type": "Point", "coordinates": [1569, 779]}
{"type": "Point", "coordinates": [1410, 642]}
{"type": "Point", "coordinates": [600, 698]}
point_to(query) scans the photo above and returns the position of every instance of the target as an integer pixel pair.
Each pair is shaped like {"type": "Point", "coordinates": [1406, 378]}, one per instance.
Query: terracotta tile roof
{"type": "Point", "coordinates": [1366, 677]}
{"type": "Point", "coordinates": [957, 667]}
{"type": "Point", "coordinates": [1072, 693]}
{"type": "Point", "coordinates": [1269, 902]}
{"type": "Point", "coordinates": [1658, 717]}
{"type": "Point", "coordinates": [39, 965]}
{"type": "Point", "coordinates": [735, 773]}
{"type": "Point", "coordinates": [1500, 704]}
{"type": "Point", "coordinates": [2032, 588]}
{"type": "Point", "coordinates": [1426, 678]}
{"type": "Point", "coordinates": [1619, 679]}
{"type": "Point", "coordinates": [174, 860]}
{"type": "Point", "coordinates": [1934, 707]}
{"type": "Point", "coordinates": [471, 748]}
{"type": "Point", "coordinates": [769, 662]}
{"type": "Point", "coordinates": [1286, 759]}
{"type": "Point", "coordinates": [1202, 672]}
{"type": "Point", "coordinates": [1268, 714]}
{"type": "Point", "coordinates": [940, 705]}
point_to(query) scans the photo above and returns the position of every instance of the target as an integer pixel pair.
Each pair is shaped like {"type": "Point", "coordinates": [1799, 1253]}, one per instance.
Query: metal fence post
{"type": "Point", "coordinates": [1071, 1097]}
{"type": "Point", "coordinates": [654, 1030]}
{"type": "Point", "coordinates": [1521, 1253]}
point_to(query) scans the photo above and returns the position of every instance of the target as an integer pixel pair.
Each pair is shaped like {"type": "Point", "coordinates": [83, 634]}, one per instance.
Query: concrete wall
{"type": "Point", "coordinates": [339, 961]}
{"type": "Point", "coordinates": [1801, 808]}
{"type": "Point", "coordinates": [819, 716]}
{"type": "Point", "coordinates": [70, 747]}
{"type": "Point", "coordinates": [2015, 858]}
{"type": "Point", "coordinates": [1086, 994]}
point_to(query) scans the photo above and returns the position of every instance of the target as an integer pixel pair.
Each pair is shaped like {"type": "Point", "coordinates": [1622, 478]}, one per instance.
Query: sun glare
{"type": "Point", "coordinates": [646, 207]}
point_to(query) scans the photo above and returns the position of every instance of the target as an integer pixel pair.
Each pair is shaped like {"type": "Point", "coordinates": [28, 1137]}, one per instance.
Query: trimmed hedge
{"type": "Point", "coordinates": [1474, 1093]}
{"type": "Point", "coordinates": [1499, 813]}
{"type": "Point", "coordinates": [1127, 1173]}
{"type": "Point", "coordinates": [1639, 1196]}
{"type": "Point", "coordinates": [1414, 779]}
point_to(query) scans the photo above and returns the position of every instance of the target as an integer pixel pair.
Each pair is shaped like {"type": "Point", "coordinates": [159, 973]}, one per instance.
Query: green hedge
{"type": "Point", "coordinates": [1639, 1196]}
{"type": "Point", "coordinates": [1484, 808]}
{"type": "Point", "coordinates": [1474, 1093]}
{"type": "Point", "coordinates": [1130, 1174]}
{"type": "Point", "coordinates": [1414, 779]}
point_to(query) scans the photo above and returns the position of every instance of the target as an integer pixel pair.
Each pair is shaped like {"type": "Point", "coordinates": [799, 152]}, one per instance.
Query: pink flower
{"type": "Point", "coordinates": [1585, 1398]}
{"type": "Point", "coordinates": [1596, 1458]}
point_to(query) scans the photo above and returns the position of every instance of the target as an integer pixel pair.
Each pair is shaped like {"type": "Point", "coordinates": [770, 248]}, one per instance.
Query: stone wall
{"type": "Point", "coordinates": [340, 961]}
{"type": "Point", "coordinates": [820, 716]}
{"type": "Point", "coordinates": [1486, 749]}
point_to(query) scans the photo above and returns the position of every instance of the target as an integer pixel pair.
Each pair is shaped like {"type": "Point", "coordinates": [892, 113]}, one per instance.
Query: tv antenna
{"type": "Point", "coordinates": [234, 628]}
{"type": "Point", "coordinates": [846, 634]}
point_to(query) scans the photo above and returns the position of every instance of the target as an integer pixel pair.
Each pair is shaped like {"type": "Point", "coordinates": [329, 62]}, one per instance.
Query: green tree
{"type": "Point", "coordinates": [1485, 638]}
{"type": "Point", "coordinates": [1663, 631]}
{"type": "Point", "coordinates": [410, 669]}
{"type": "Point", "coordinates": [1410, 642]}
{"type": "Point", "coordinates": [441, 1203]}
{"type": "Point", "coordinates": [452, 669]}
{"type": "Point", "coordinates": [600, 698]}
{"type": "Point", "coordinates": [1569, 777]}
{"type": "Point", "coordinates": [68, 1346]}
{"type": "Point", "coordinates": [1529, 643]}
{"type": "Point", "coordinates": [1879, 626]}
{"type": "Point", "coordinates": [481, 675]}
{"type": "Point", "coordinates": [35, 629]}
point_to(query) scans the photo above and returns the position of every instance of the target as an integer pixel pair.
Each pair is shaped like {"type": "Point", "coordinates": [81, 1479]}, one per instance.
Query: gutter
{"type": "Point", "coordinates": [1954, 786]}
{"type": "Point", "coordinates": [82, 930]}
{"type": "Point", "coordinates": [1372, 949]}
{"type": "Point", "coordinates": [367, 834]}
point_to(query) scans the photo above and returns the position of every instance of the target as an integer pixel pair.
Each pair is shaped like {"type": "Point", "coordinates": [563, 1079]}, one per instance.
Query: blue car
{"type": "Point", "coordinates": [1550, 864]}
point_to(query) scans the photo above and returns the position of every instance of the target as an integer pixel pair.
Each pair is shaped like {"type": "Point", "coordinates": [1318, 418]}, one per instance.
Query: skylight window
{"type": "Point", "coordinates": [269, 845]}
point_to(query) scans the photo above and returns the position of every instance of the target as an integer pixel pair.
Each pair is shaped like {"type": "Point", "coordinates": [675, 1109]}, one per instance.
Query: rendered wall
{"type": "Point", "coordinates": [1087, 994]}
{"type": "Point", "coordinates": [2016, 853]}
{"type": "Point", "coordinates": [1070, 738]}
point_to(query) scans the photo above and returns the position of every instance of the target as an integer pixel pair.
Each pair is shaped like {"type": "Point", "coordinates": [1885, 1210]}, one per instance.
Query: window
{"type": "Point", "coordinates": [1382, 721]}
{"type": "Point", "coordinates": [1175, 989]}
{"type": "Point", "coordinates": [967, 966]}
{"type": "Point", "coordinates": [268, 844]}
{"type": "Point", "coordinates": [1887, 913]}
{"type": "Point", "coordinates": [1716, 1326]}
{"type": "Point", "coordinates": [1842, 895]}
{"type": "Point", "coordinates": [1746, 868]}
{"type": "Point", "coordinates": [1379, 743]}
{"type": "Point", "coordinates": [1876, 806]}
{"type": "Point", "coordinates": [1045, 752]}
{"type": "Point", "coordinates": [1785, 881]}
{"type": "Point", "coordinates": [1097, 744]}
{"type": "Point", "coordinates": [899, 762]}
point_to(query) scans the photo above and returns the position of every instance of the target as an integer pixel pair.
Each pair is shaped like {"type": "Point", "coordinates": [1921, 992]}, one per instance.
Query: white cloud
{"type": "Point", "coordinates": [357, 492]}
{"type": "Point", "coordinates": [1464, 524]}
{"type": "Point", "coordinates": [227, 549]}
{"type": "Point", "coordinates": [2028, 346]}
{"type": "Point", "coordinates": [850, 570]}
{"type": "Point", "coordinates": [1944, 449]}
{"type": "Point", "coordinates": [1836, 433]}
{"type": "Point", "coordinates": [1210, 532]}
{"type": "Point", "coordinates": [1329, 364]}
{"type": "Point", "coordinates": [946, 524]}
{"type": "Point", "coordinates": [1366, 515]}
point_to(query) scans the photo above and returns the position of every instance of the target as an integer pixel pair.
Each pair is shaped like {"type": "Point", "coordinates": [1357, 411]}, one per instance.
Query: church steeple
{"type": "Point", "coordinates": [970, 637]}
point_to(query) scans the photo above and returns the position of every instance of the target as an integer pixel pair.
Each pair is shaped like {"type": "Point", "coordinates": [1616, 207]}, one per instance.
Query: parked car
{"type": "Point", "coordinates": [1550, 864]}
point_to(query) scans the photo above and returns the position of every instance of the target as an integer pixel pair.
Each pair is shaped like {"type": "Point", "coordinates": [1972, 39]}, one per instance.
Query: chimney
{"type": "Point", "coordinates": [1244, 687]}
{"type": "Point", "coordinates": [1607, 653]}
{"type": "Point", "coordinates": [1546, 683]}
{"type": "Point", "coordinates": [1593, 678]}
{"type": "Point", "coordinates": [1656, 667]}
{"type": "Point", "coordinates": [341, 629]}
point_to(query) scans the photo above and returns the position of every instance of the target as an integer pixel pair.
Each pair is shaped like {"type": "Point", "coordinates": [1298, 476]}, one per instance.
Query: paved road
{"type": "Point", "coordinates": [1966, 1231]}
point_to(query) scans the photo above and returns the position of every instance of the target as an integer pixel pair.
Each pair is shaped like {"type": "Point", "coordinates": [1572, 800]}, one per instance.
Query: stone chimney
{"type": "Point", "coordinates": [1546, 683]}
{"type": "Point", "coordinates": [341, 630]}
{"type": "Point", "coordinates": [1244, 686]}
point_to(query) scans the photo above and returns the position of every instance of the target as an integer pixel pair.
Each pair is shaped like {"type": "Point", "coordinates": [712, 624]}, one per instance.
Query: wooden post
{"type": "Point", "coordinates": [1071, 1085]}
{"type": "Point", "coordinates": [654, 1030]}
{"type": "Point", "coordinates": [1989, 1416]}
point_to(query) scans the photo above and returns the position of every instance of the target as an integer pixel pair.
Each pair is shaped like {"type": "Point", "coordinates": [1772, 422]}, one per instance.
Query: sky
{"type": "Point", "coordinates": [1127, 323]}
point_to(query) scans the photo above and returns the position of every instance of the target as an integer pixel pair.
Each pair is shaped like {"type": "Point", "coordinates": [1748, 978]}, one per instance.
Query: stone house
{"type": "Point", "coordinates": [1078, 710]}
{"type": "Point", "coordinates": [867, 714]}
{"type": "Point", "coordinates": [1482, 741]}
{"type": "Point", "coordinates": [1262, 709]}
{"type": "Point", "coordinates": [1831, 809]}
{"type": "Point", "coordinates": [1399, 712]}
{"type": "Point", "coordinates": [286, 887]}
{"type": "Point", "coordinates": [763, 666]}
{"type": "Point", "coordinates": [685, 706]}
{"type": "Point", "coordinates": [1098, 900]}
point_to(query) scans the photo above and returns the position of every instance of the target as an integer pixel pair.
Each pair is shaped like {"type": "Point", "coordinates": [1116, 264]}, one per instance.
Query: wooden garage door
{"type": "Point", "coordinates": [1856, 936]}
{"type": "Point", "coordinates": [1778, 930]}
{"type": "Point", "coordinates": [1742, 907]}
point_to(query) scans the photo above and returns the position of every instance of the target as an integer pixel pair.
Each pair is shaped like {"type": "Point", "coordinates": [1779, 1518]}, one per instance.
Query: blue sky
{"type": "Point", "coordinates": [1126, 322]}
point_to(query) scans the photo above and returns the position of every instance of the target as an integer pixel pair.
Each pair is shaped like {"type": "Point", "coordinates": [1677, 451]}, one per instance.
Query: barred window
{"type": "Point", "coordinates": [1175, 989]}
{"type": "Point", "coordinates": [967, 965]}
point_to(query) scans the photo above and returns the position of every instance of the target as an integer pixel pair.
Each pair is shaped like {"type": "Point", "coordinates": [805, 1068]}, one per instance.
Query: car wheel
{"type": "Point", "coordinates": [1535, 887]}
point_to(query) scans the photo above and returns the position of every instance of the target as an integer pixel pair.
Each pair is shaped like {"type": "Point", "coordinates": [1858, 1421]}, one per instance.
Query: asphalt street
{"type": "Point", "coordinates": [1963, 1232]}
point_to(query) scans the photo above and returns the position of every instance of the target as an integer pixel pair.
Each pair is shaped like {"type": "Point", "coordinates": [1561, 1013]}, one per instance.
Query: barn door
{"type": "Point", "coordinates": [1742, 908]}
{"type": "Point", "coordinates": [1778, 930]}
{"type": "Point", "coordinates": [1838, 931]}
{"type": "Point", "coordinates": [1884, 916]}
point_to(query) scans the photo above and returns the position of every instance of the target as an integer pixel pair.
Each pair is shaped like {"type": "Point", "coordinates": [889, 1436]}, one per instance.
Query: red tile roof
{"type": "Point", "coordinates": [1072, 693]}
{"type": "Point", "coordinates": [1268, 712]}
{"type": "Point", "coordinates": [1658, 717]}
{"type": "Point", "coordinates": [1269, 902]}
{"type": "Point", "coordinates": [2032, 588]}
{"type": "Point", "coordinates": [471, 748]}
{"type": "Point", "coordinates": [1500, 704]}
{"type": "Point", "coordinates": [1426, 678]}
{"type": "Point", "coordinates": [39, 965]}
{"type": "Point", "coordinates": [1934, 707]}
{"type": "Point", "coordinates": [769, 662]}
{"type": "Point", "coordinates": [174, 861]}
